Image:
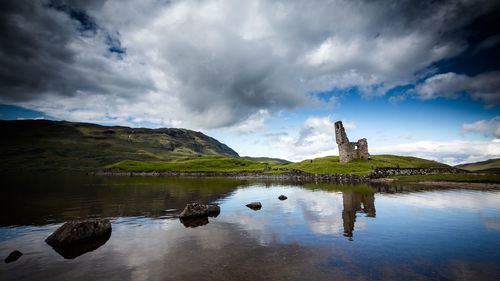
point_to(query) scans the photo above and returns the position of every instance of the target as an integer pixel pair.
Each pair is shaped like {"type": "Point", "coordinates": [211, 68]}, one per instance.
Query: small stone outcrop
{"type": "Point", "coordinates": [13, 256]}
{"type": "Point", "coordinates": [349, 151]}
{"type": "Point", "coordinates": [78, 232]}
{"type": "Point", "coordinates": [194, 210]}
{"type": "Point", "coordinates": [254, 205]}
{"type": "Point", "coordinates": [282, 197]}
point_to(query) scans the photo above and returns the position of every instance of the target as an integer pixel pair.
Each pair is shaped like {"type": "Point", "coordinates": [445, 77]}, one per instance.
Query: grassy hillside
{"type": "Point", "coordinates": [331, 165]}
{"type": "Point", "coordinates": [53, 145]}
{"type": "Point", "coordinates": [488, 166]}
{"type": "Point", "coordinates": [326, 165]}
{"type": "Point", "coordinates": [44, 145]}
{"type": "Point", "coordinates": [268, 160]}
{"type": "Point", "coordinates": [198, 164]}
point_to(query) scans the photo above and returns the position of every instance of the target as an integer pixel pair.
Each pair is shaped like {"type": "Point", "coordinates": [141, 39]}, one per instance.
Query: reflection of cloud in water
{"type": "Point", "coordinates": [238, 245]}
{"type": "Point", "coordinates": [463, 199]}
{"type": "Point", "coordinates": [305, 213]}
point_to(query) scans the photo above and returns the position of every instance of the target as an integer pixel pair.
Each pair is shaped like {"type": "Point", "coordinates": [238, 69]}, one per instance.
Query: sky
{"type": "Point", "coordinates": [268, 78]}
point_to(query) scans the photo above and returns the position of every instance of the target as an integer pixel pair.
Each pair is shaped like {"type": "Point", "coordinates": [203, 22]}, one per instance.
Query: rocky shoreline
{"type": "Point", "coordinates": [291, 175]}
{"type": "Point", "coordinates": [295, 176]}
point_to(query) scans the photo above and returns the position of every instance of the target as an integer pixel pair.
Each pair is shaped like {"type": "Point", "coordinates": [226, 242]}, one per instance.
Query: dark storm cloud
{"type": "Point", "coordinates": [40, 53]}
{"type": "Point", "coordinates": [220, 63]}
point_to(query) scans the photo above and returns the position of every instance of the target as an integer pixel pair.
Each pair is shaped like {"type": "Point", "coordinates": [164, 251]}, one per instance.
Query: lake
{"type": "Point", "coordinates": [321, 232]}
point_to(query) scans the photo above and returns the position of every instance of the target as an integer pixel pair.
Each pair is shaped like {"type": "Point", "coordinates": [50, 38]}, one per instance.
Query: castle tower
{"type": "Point", "coordinates": [340, 134]}
{"type": "Point", "coordinates": [363, 149]}
{"type": "Point", "coordinates": [349, 151]}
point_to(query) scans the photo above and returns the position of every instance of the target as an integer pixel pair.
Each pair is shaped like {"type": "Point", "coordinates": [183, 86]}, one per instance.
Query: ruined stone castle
{"type": "Point", "coordinates": [349, 151]}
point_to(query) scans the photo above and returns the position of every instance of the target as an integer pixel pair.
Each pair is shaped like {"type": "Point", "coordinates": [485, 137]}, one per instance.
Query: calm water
{"type": "Point", "coordinates": [322, 232]}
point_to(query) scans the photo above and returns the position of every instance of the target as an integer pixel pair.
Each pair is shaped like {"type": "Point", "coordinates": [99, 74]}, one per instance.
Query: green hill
{"type": "Point", "coordinates": [268, 160]}
{"type": "Point", "coordinates": [49, 145]}
{"type": "Point", "coordinates": [325, 165]}
{"type": "Point", "coordinates": [331, 164]}
{"type": "Point", "coordinates": [488, 166]}
{"type": "Point", "coordinates": [56, 145]}
{"type": "Point", "coordinates": [199, 164]}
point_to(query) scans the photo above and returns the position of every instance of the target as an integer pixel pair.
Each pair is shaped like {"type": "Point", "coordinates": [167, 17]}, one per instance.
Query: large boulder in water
{"type": "Point", "coordinates": [194, 221]}
{"type": "Point", "coordinates": [78, 249]}
{"type": "Point", "coordinates": [193, 210]}
{"type": "Point", "coordinates": [79, 232]}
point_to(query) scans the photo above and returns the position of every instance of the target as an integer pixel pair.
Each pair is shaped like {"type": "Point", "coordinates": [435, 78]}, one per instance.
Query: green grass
{"type": "Point", "coordinates": [488, 166]}
{"type": "Point", "coordinates": [267, 160]}
{"type": "Point", "coordinates": [325, 165]}
{"type": "Point", "coordinates": [198, 164]}
{"type": "Point", "coordinates": [488, 178]}
{"type": "Point", "coordinates": [331, 165]}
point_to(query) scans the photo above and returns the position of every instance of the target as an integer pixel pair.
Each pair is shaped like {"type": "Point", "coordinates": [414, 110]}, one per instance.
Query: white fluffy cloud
{"type": "Point", "coordinates": [484, 87]}
{"type": "Point", "coordinates": [217, 63]}
{"type": "Point", "coordinates": [450, 152]}
{"type": "Point", "coordinates": [488, 128]}
{"type": "Point", "coordinates": [316, 138]}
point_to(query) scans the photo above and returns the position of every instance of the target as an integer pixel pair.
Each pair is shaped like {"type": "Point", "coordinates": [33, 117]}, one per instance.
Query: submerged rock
{"type": "Point", "coordinates": [76, 250]}
{"type": "Point", "coordinates": [13, 256]}
{"type": "Point", "coordinates": [254, 205]}
{"type": "Point", "coordinates": [193, 210]}
{"type": "Point", "coordinates": [282, 197]}
{"type": "Point", "coordinates": [194, 221]}
{"type": "Point", "coordinates": [78, 232]}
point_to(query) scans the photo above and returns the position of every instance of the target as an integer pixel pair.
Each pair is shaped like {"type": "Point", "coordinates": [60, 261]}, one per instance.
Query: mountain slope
{"type": "Point", "coordinates": [268, 160]}
{"type": "Point", "coordinates": [46, 145]}
{"type": "Point", "coordinates": [488, 166]}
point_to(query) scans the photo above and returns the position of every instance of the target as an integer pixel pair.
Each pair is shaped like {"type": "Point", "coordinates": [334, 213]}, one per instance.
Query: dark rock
{"type": "Point", "coordinates": [76, 250]}
{"type": "Point", "coordinates": [14, 256]}
{"type": "Point", "coordinates": [199, 210]}
{"type": "Point", "coordinates": [79, 232]}
{"type": "Point", "coordinates": [254, 205]}
{"type": "Point", "coordinates": [282, 197]}
{"type": "Point", "coordinates": [194, 221]}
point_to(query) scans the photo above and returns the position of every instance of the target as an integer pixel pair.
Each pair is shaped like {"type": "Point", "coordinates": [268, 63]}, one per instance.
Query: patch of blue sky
{"type": "Point", "coordinates": [12, 112]}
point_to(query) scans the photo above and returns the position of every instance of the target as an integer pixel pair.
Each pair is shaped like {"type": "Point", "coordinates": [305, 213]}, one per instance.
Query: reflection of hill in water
{"type": "Point", "coordinates": [39, 199]}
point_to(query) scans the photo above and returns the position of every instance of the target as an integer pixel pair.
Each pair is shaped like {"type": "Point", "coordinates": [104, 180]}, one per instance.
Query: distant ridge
{"type": "Point", "coordinates": [269, 160]}
{"type": "Point", "coordinates": [48, 145]}
{"type": "Point", "coordinates": [488, 166]}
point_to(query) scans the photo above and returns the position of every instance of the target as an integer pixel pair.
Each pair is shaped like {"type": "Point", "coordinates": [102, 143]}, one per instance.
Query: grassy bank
{"type": "Point", "coordinates": [331, 165]}
{"type": "Point", "coordinates": [479, 178]}
{"type": "Point", "coordinates": [198, 164]}
{"type": "Point", "coordinates": [325, 165]}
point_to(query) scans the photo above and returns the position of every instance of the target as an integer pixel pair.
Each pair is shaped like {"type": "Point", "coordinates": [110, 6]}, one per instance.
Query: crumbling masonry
{"type": "Point", "coordinates": [349, 151]}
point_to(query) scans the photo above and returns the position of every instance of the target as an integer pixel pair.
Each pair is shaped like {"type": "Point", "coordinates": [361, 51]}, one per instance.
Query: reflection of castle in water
{"type": "Point", "coordinates": [353, 203]}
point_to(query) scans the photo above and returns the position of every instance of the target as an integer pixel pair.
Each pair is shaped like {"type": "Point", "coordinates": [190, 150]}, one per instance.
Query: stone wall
{"type": "Point", "coordinates": [349, 151]}
{"type": "Point", "coordinates": [386, 172]}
